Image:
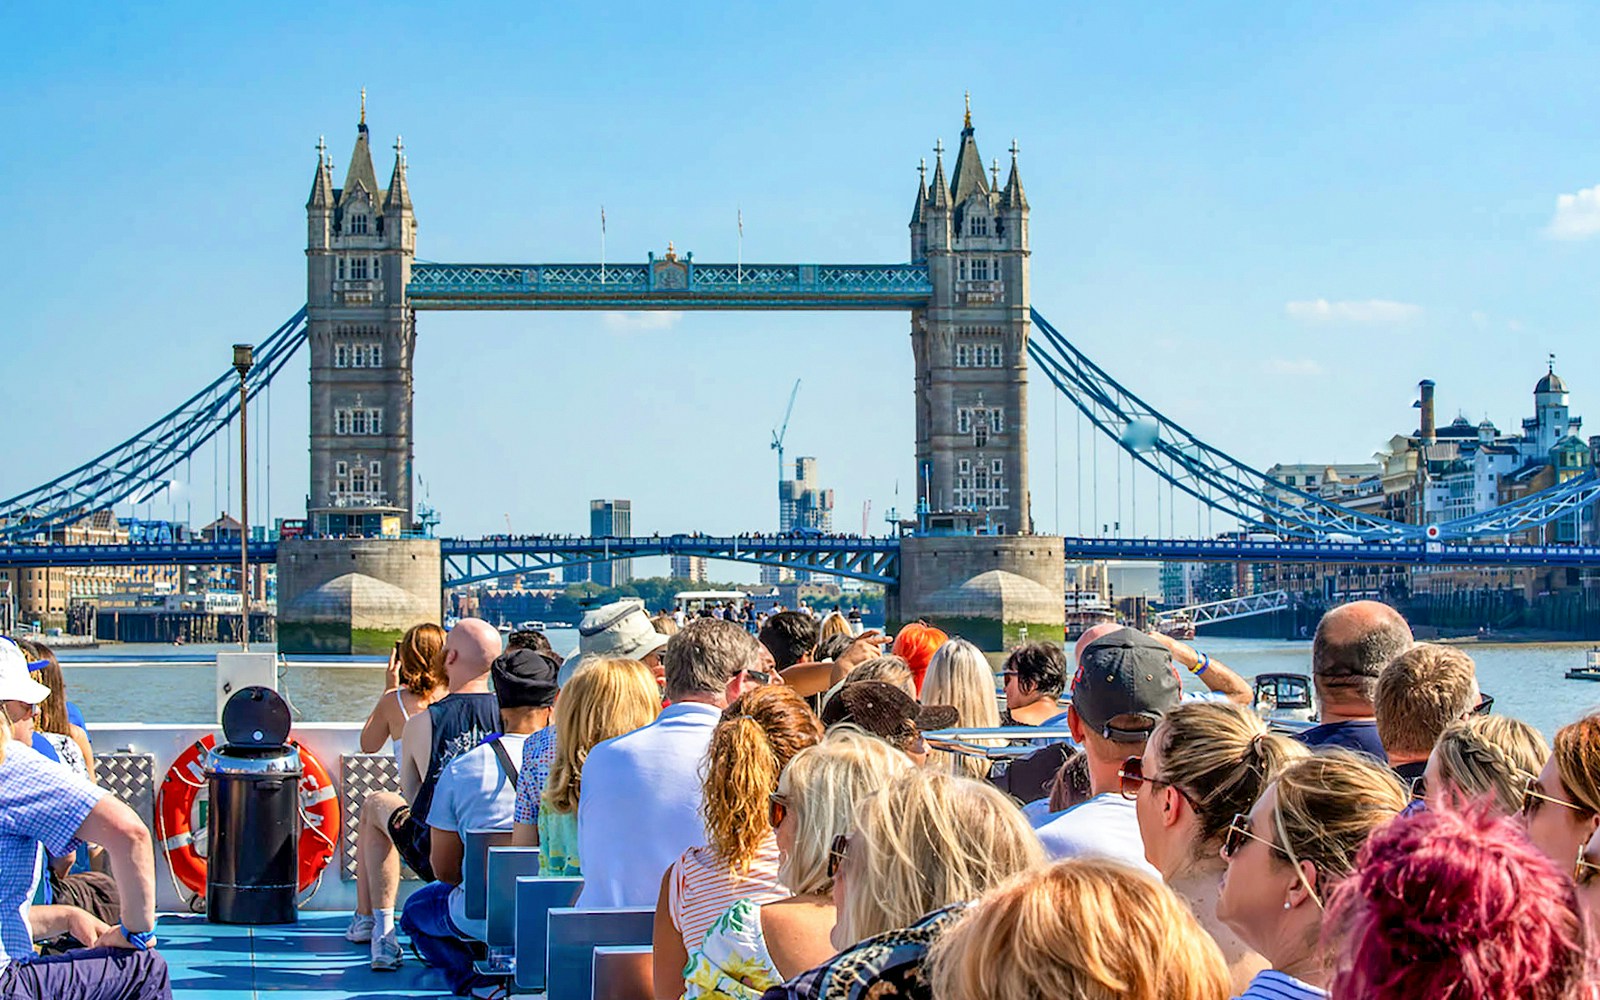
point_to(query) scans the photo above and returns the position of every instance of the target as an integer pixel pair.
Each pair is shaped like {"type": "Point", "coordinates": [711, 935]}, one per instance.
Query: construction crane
{"type": "Point", "coordinates": [778, 433]}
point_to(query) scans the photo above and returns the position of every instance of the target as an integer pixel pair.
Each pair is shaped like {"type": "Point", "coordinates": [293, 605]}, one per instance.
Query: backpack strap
{"type": "Point", "coordinates": [504, 757]}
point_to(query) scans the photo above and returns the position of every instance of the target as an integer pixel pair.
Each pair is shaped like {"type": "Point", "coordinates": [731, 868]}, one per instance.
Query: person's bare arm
{"type": "Point", "coordinates": [815, 678]}
{"type": "Point", "coordinates": [444, 853]}
{"type": "Point", "coordinates": [376, 731]}
{"type": "Point", "coordinates": [54, 919]}
{"type": "Point", "coordinates": [82, 739]}
{"type": "Point", "coordinates": [416, 741]}
{"type": "Point", "coordinates": [524, 835]}
{"type": "Point", "coordinates": [1217, 677]}
{"type": "Point", "coordinates": [119, 830]}
{"type": "Point", "coordinates": [667, 944]}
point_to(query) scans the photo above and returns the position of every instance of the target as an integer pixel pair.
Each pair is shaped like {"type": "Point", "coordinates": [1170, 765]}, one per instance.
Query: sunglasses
{"type": "Point", "coordinates": [1238, 832]}
{"type": "Point", "coordinates": [1484, 706]}
{"type": "Point", "coordinates": [1419, 788]}
{"type": "Point", "coordinates": [777, 809]}
{"type": "Point", "coordinates": [836, 853]}
{"type": "Point", "coordinates": [1132, 775]}
{"type": "Point", "coordinates": [759, 676]}
{"type": "Point", "coordinates": [1585, 871]}
{"type": "Point", "coordinates": [1533, 797]}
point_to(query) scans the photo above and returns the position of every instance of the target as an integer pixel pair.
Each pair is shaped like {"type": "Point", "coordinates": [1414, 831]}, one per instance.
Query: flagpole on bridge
{"type": "Point", "coordinates": [739, 279]}
{"type": "Point", "coordinates": [602, 244]}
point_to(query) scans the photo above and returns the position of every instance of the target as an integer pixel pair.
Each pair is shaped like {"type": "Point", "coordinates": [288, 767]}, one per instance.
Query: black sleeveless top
{"type": "Point", "coordinates": [460, 722]}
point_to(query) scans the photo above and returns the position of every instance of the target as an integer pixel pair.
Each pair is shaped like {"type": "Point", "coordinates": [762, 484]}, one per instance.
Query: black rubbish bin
{"type": "Point", "coordinates": [254, 835]}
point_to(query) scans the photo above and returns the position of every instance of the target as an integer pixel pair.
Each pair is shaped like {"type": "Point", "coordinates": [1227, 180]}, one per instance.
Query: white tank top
{"type": "Point", "coordinates": [404, 715]}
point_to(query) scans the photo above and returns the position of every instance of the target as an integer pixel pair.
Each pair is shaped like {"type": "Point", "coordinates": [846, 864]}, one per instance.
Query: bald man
{"type": "Point", "coordinates": [393, 828]}
{"type": "Point", "coordinates": [1354, 642]}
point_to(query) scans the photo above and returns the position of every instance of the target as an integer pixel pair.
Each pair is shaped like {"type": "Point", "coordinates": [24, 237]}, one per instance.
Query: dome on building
{"type": "Point", "coordinates": [994, 594]}
{"type": "Point", "coordinates": [1462, 422]}
{"type": "Point", "coordinates": [1551, 383]}
{"type": "Point", "coordinates": [357, 601]}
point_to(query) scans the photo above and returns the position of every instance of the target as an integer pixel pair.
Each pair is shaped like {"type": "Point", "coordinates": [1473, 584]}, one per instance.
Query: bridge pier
{"type": "Point", "coordinates": [355, 595]}
{"type": "Point", "coordinates": [993, 590]}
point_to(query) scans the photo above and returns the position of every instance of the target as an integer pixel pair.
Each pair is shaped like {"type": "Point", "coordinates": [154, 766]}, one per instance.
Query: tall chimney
{"type": "Point", "coordinates": [1427, 430]}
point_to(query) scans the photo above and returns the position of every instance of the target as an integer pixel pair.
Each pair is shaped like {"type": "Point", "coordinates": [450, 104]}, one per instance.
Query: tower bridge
{"type": "Point", "coordinates": [974, 562]}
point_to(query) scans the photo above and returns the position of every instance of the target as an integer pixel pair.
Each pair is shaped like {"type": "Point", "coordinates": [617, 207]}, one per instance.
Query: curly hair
{"type": "Point", "coordinates": [1490, 756]}
{"type": "Point", "coordinates": [421, 654]}
{"type": "Point", "coordinates": [757, 737]}
{"type": "Point", "coordinates": [1456, 906]}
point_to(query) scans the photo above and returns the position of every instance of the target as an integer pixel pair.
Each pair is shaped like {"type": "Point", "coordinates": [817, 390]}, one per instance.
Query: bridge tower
{"type": "Point", "coordinates": [971, 346]}
{"type": "Point", "coordinates": [361, 240]}
{"type": "Point", "coordinates": [354, 585]}
{"type": "Point", "coordinates": [970, 350]}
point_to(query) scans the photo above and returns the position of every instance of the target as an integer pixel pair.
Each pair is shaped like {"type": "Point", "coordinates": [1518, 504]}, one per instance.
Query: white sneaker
{"type": "Point", "coordinates": [360, 929]}
{"type": "Point", "coordinates": [386, 956]}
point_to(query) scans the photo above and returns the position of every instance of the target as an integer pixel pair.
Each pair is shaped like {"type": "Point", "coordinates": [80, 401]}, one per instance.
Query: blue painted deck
{"type": "Point", "coordinates": [307, 960]}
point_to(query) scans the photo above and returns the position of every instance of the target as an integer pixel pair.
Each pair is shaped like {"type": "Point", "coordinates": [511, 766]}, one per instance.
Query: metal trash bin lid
{"type": "Point", "coordinates": [269, 762]}
{"type": "Point", "coordinates": [256, 717]}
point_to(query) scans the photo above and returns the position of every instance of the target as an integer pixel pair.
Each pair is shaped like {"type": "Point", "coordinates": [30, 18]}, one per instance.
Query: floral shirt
{"type": "Point", "coordinates": [886, 965]}
{"type": "Point", "coordinates": [732, 963]}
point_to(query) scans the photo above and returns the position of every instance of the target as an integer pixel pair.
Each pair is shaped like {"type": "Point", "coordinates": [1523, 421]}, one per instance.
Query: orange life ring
{"type": "Point", "coordinates": [319, 811]}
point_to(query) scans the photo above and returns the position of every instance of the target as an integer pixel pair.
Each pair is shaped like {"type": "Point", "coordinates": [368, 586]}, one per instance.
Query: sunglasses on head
{"type": "Point", "coordinates": [1239, 831]}
{"type": "Point", "coordinates": [1132, 775]}
{"type": "Point", "coordinates": [836, 853]}
{"type": "Point", "coordinates": [1533, 797]}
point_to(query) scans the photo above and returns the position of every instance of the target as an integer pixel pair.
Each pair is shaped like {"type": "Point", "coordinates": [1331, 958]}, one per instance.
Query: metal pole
{"type": "Point", "coordinates": [243, 359]}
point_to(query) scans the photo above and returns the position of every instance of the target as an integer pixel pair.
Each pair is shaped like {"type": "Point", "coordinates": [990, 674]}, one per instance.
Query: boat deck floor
{"type": "Point", "coordinates": [309, 960]}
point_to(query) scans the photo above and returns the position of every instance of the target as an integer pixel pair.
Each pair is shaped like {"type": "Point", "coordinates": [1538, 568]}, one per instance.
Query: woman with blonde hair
{"type": "Point", "coordinates": [1488, 757]}
{"type": "Point", "coordinates": [605, 698]}
{"type": "Point", "coordinates": [751, 948]}
{"type": "Point", "coordinates": [920, 846]}
{"type": "Point", "coordinates": [1561, 807]}
{"type": "Point", "coordinates": [1086, 928]}
{"type": "Point", "coordinates": [757, 737]}
{"type": "Point", "coordinates": [1288, 854]}
{"type": "Point", "coordinates": [413, 680]}
{"type": "Point", "coordinates": [959, 676]}
{"type": "Point", "coordinates": [833, 623]}
{"type": "Point", "coordinates": [1205, 763]}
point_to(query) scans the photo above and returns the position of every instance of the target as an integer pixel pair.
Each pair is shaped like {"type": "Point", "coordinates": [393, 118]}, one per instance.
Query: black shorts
{"type": "Point", "coordinates": [413, 840]}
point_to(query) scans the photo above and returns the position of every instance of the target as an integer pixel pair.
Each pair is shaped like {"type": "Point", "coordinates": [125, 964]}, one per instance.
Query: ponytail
{"type": "Point", "coordinates": [756, 738]}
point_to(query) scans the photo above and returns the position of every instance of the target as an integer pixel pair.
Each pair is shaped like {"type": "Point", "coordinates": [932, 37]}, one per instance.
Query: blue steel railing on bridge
{"type": "Point", "coordinates": [669, 284]}
{"type": "Point", "coordinates": [1296, 551]}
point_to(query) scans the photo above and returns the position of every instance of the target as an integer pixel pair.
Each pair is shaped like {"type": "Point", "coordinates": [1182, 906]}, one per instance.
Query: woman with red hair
{"type": "Point", "coordinates": [1455, 905]}
{"type": "Point", "coordinates": [916, 644]}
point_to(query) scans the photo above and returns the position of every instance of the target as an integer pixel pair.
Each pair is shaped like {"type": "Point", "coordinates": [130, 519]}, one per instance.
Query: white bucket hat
{"type": "Point", "coordinates": [620, 629]}
{"type": "Point", "coordinates": [15, 683]}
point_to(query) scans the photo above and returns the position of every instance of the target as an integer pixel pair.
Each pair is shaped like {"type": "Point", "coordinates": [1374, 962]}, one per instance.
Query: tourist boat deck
{"type": "Point", "coordinates": [309, 960]}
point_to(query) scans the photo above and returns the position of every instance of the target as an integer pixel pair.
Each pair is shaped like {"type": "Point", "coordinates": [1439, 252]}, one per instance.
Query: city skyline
{"type": "Point", "coordinates": [1282, 318]}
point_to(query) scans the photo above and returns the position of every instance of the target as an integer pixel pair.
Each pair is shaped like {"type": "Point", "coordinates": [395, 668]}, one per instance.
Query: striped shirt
{"type": "Point", "coordinates": [41, 802]}
{"type": "Point", "coordinates": [1270, 984]}
{"type": "Point", "coordinates": [701, 887]}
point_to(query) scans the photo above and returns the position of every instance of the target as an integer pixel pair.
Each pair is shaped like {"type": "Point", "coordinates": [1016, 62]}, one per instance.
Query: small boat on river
{"type": "Point", "coordinates": [1590, 671]}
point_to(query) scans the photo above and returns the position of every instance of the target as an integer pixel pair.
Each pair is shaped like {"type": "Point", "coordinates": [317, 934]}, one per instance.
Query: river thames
{"type": "Point", "coordinates": [166, 684]}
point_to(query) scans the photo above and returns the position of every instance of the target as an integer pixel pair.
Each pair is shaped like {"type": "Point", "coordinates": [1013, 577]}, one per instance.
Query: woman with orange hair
{"type": "Point", "coordinates": [916, 643]}
{"type": "Point", "coordinates": [413, 680]}
{"type": "Point", "coordinates": [757, 737]}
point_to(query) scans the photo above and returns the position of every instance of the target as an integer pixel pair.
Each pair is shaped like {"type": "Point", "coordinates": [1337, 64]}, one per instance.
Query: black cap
{"type": "Point", "coordinates": [1126, 682]}
{"type": "Point", "coordinates": [525, 678]}
{"type": "Point", "coordinates": [886, 711]}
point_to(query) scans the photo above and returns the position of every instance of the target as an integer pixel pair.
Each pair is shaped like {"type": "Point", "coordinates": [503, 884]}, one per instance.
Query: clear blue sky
{"type": "Point", "coordinates": [1270, 221]}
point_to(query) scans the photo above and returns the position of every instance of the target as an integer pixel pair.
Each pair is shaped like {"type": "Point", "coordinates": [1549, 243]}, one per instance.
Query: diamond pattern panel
{"type": "Point", "coordinates": [361, 774]}
{"type": "Point", "coordinates": [131, 777]}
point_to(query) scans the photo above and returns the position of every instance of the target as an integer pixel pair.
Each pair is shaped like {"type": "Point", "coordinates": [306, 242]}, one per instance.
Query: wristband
{"type": "Point", "coordinates": [1200, 667]}
{"type": "Point", "coordinates": [141, 940]}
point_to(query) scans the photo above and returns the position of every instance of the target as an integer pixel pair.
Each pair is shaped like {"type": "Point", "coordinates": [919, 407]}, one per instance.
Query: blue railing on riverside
{"type": "Point", "coordinates": [668, 283]}
{"type": "Point", "coordinates": [875, 560]}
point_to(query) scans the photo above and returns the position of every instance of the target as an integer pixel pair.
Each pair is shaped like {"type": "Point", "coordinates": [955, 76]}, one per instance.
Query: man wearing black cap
{"type": "Point", "coordinates": [477, 791]}
{"type": "Point", "coordinates": [1126, 682]}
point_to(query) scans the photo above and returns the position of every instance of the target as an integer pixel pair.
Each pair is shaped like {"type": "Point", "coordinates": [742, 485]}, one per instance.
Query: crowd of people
{"type": "Point", "coordinates": [792, 807]}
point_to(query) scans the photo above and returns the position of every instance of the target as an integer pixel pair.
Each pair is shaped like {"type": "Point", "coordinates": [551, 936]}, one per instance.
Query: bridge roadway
{"type": "Point", "coordinates": [874, 560]}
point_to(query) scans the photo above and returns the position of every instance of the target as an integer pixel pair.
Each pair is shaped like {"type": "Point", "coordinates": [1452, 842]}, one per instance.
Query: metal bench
{"type": "Point", "coordinates": [535, 898]}
{"type": "Point", "coordinates": [575, 933]}
{"type": "Point", "coordinates": [623, 972]}
{"type": "Point", "coordinates": [502, 867]}
{"type": "Point", "coordinates": [475, 867]}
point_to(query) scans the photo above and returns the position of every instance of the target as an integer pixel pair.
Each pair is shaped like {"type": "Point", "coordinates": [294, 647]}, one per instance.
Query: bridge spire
{"type": "Point", "coordinates": [322, 184]}
{"type": "Point", "coordinates": [1014, 198]}
{"type": "Point", "coordinates": [360, 171]}
{"type": "Point", "coordinates": [922, 191]}
{"type": "Point", "coordinates": [399, 196]}
{"type": "Point", "coordinates": [939, 195]}
{"type": "Point", "coordinates": [967, 177]}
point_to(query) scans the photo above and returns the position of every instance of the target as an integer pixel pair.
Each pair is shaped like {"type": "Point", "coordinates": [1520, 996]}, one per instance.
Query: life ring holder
{"type": "Point", "coordinates": [319, 815]}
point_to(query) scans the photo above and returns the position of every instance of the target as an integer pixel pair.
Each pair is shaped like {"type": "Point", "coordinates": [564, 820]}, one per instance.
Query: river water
{"type": "Point", "coordinates": [168, 684]}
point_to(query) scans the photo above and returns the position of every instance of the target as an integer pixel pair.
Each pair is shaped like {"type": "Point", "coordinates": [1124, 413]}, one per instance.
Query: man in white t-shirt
{"type": "Point", "coordinates": [476, 791]}
{"type": "Point", "coordinates": [639, 807]}
{"type": "Point", "coordinates": [1126, 682]}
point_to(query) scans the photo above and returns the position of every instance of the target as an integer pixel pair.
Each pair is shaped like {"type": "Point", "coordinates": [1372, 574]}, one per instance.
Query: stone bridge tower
{"type": "Point", "coordinates": [970, 346]}
{"type": "Point", "coordinates": [360, 243]}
